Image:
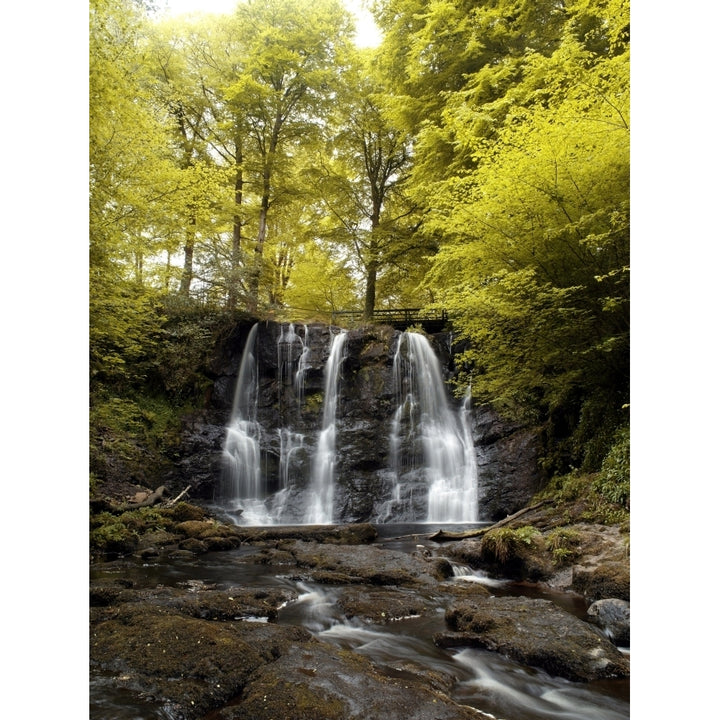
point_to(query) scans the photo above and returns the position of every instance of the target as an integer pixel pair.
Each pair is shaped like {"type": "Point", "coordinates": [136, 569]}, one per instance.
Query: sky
{"type": "Point", "coordinates": [368, 34]}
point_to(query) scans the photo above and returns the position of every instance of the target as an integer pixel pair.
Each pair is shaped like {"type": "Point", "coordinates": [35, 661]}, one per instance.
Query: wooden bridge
{"type": "Point", "coordinates": [431, 321]}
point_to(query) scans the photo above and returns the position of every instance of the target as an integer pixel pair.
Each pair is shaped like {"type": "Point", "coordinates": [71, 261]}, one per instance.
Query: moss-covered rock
{"type": "Point", "coordinates": [192, 664]}
{"type": "Point", "coordinates": [316, 681]}
{"type": "Point", "coordinates": [537, 633]}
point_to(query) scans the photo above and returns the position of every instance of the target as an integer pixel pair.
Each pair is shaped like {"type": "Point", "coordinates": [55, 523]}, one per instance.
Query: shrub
{"type": "Point", "coordinates": [113, 537]}
{"type": "Point", "coordinates": [613, 480]}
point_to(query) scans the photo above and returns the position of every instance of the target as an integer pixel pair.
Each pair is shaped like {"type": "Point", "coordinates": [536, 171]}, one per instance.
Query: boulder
{"type": "Point", "coordinates": [612, 616]}
{"type": "Point", "coordinates": [534, 632]}
{"type": "Point", "coordinates": [318, 681]}
{"type": "Point", "coordinates": [606, 580]}
{"type": "Point", "coordinates": [189, 665]}
{"type": "Point", "coordinates": [342, 564]}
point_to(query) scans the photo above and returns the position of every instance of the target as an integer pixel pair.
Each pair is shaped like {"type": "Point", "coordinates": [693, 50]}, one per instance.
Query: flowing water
{"type": "Point", "coordinates": [241, 485]}
{"type": "Point", "coordinates": [322, 487]}
{"type": "Point", "coordinates": [483, 680]}
{"type": "Point", "coordinates": [432, 452]}
{"type": "Point", "coordinates": [433, 473]}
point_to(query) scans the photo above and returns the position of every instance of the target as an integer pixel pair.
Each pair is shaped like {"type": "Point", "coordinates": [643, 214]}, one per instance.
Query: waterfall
{"type": "Point", "coordinates": [242, 478]}
{"type": "Point", "coordinates": [321, 492]}
{"type": "Point", "coordinates": [431, 447]}
{"type": "Point", "coordinates": [303, 366]}
{"type": "Point", "coordinates": [279, 452]}
{"type": "Point", "coordinates": [290, 443]}
{"type": "Point", "coordinates": [287, 342]}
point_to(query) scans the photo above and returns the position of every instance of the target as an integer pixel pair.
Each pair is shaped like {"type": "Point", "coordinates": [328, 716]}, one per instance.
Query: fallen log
{"type": "Point", "coordinates": [151, 499]}
{"type": "Point", "coordinates": [447, 535]}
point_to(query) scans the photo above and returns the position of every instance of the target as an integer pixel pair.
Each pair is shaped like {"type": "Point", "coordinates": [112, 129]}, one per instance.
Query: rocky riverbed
{"type": "Point", "coordinates": [231, 644]}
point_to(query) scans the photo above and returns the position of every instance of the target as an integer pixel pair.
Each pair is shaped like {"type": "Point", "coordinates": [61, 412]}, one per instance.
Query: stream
{"type": "Point", "coordinates": [484, 680]}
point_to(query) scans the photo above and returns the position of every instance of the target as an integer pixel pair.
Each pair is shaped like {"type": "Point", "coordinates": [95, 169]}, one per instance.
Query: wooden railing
{"type": "Point", "coordinates": [400, 318]}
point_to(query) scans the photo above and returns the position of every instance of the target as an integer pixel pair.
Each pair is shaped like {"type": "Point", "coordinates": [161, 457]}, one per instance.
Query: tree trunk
{"type": "Point", "coordinates": [370, 290]}
{"type": "Point", "coordinates": [187, 273]}
{"type": "Point", "coordinates": [234, 280]}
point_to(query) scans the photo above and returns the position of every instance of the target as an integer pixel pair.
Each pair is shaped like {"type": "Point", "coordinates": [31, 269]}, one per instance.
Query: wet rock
{"type": "Point", "coordinates": [199, 528]}
{"type": "Point", "coordinates": [200, 600]}
{"type": "Point", "coordinates": [462, 589]}
{"type": "Point", "coordinates": [341, 564]}
{"type": "Point", "coordinates": [186, 511]}
{"type": "Point", "coordinates": [382, 606]}
{"type": "Point", "coordinates": [189, 664]}
{"type": "Point", "coordinates": [606, 580]}
{"type": "Point", "coordinates": [612, 616]}
{"type": "Point", "coordinates": [193, 545]}
{"type": "Point", "coordinates": [536, 633]}
{"type": "Point", "coordinates": [315, 681]}
{"type": "Point", "coordinates": [349, 534]}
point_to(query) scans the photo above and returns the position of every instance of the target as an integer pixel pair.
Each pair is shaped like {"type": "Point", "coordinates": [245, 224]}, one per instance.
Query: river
{"type": "Point", "coordinates": [484, 680]}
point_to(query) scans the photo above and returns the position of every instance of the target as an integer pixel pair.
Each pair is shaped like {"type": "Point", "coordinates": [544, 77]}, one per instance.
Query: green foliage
{"type": "Point", "coordinates": [613, 480]}
{"type": "Point", "coordinates": [109, 534]}
{"type": "Point", "coordinates": [120, 533]}
{"type": "Point", "coordinates": [579, 497]}
{"type": "Point", "coordinates": [531, 211]}
{"type": "Point", "coordinates": [140, 432]}
{"type": "Point", "coordinates": [505, 544]}
{"type": "Point", "coordinates": [145, 519]}
{"type": "Point", "coordinates": [563, 544]}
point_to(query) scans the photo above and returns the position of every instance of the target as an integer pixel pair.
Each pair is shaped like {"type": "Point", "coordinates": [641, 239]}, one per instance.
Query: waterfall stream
{"type": "Point", "coordinates": [431, 446]}
{"type": "Point", "coordinates": [241, 482]}
{"type": "Point", "coordinates": [320, 505]}
{"type": "Point", "coordinates": [282, 471]}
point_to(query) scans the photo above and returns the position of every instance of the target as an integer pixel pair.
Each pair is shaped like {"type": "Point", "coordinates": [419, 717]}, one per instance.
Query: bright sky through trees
{"type": "Point", "coordinates": [368, 34]}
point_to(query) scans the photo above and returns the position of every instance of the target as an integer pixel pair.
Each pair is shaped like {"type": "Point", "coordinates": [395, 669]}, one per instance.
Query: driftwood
{"type": "Point", "coordinates": [182, 494]}
{"type": "Point", "coordinates": [445, 535]}
{"type": "Point", "coordinates": [151, 499]}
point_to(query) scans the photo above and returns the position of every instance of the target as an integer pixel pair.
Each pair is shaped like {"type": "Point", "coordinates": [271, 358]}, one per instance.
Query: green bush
{"type": "Point", "coordinates": [613, 480]}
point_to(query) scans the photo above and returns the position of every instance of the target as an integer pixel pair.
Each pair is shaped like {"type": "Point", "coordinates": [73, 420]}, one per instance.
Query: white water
{"type": "Point", "coordinates": [322, 488]}
{"type": "Point", "coordinates": [242, 482]}
{"type": "Point", "coordinates": [287, 345]}
{"type": "Point", "coordinates": [429, 441]}
{"type": "Point", "coordinates": [303, 366]}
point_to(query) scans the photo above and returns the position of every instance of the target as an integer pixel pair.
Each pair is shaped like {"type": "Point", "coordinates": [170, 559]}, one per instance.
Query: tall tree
{"type": "Point", "coordinates": [130, 172]}
{"type": "Point", "coordinates": [362, 176]}
{"type": "Point", "coordinates": [294, 53]}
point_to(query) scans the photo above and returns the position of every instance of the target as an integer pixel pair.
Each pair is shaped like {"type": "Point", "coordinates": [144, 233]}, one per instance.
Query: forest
{"type": "Point", "coordinates": [262, 165]}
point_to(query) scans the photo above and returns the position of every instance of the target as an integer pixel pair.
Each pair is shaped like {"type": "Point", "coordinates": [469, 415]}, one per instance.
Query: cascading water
{"type": "Point", "coordinates": [431, 448]}
{"type": "Point", "coordinates": [303, 366]}
{"type": "Point", "coordinates": [287, 345]}
{"type": "Point", "coordinates": [242, 478]}
{"type": "Point", "coordinates": [290, 443]}
{"type": "Point", "coordinates": [320, 501]}
{"type": "Point", "coordinates": [274, 473]}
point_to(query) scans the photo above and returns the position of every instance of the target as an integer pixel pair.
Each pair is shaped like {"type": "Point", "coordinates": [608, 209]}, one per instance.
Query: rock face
{"type": "Point", "coordinates": [291, 363]}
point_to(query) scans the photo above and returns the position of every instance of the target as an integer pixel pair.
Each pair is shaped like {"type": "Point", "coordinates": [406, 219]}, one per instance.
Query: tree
{"type": "Point", "coordinates": [130, 172]}
{"type": "Point", "coordinates": [523, 174]}
{"type": "Point", "coordinates": [361, 176]}
{"type": "Point", "coordinates": [294, 50]}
